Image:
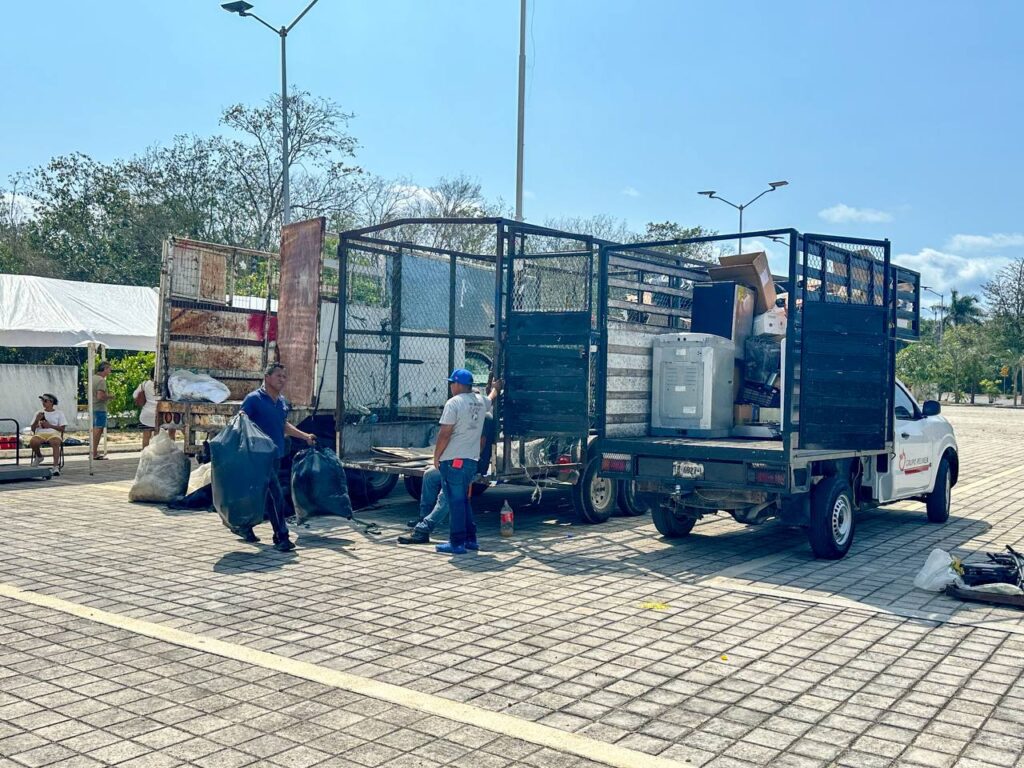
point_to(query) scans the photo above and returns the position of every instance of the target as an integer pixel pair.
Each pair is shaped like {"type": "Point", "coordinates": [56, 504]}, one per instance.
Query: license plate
{"type": "Point", "coordinates": [688, 470]}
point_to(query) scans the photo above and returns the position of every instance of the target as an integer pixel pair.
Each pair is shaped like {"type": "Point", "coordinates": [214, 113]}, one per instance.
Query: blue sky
{"type": "Point", "coordinates": [899, 120]}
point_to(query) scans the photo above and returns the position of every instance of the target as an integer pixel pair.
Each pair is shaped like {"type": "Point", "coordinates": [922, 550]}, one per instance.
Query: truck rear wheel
{"type": "Point", "coordinates": [593, 497]}
{"type": "Point", "coordinates": [630, 503]}
{"type": "Point", "coordinates": [670, 526]}
{"type": "Point", "coordinates": [939, 500]}
{"type": "Point", "coordinates": [413, 485]}
{"type": "Point", "coordinates": [832, 522]}
{"type": "Point", "coordinates": [365, 488]}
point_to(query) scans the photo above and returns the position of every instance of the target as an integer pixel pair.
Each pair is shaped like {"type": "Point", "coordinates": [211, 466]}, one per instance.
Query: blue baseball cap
{"type": "Point", "coordinates": [461, 376]}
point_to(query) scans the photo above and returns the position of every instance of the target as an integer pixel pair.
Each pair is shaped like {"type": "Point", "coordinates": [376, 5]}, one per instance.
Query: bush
{"type": "Point", "coordinates": [127, 373]}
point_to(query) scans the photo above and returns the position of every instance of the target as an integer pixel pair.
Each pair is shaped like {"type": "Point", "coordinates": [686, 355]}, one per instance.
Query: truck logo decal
{"type": "Point", "coordinates": [914, 466]}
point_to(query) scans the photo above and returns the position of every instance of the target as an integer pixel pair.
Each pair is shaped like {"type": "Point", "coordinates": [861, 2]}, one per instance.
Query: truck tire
{"type": "Point", "coordinates": [832, 521]}
{"type": "Point", "coordinates": [593, 497]}
{"type": "Point", "coordinates": [630, 504]}
{"type": "Point", "coordinates": [670, 526]}
{"type": "Point", "coordinates": [365, 488]}
{"type": "Point", "coordinates": [413, 485]}
{"type": "Point", "coordinates": [938, 501]}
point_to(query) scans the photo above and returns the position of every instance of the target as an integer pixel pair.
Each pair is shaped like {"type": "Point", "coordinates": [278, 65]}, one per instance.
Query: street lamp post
{"type": "Point", "coordinates": [243, 8]}
{"type": "Point", "coordinates": [712, 195]}
{"type": "Point", "coordinates": [520, 121]}
{"type": "Point", "coordinates": [942, 310]}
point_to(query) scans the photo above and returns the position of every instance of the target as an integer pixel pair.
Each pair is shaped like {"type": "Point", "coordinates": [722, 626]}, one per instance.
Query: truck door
{"type": "Point", "coordinates": [912, 467]}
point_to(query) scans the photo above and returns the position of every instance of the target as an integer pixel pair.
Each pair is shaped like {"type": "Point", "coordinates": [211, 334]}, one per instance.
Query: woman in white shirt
{"type": "Point", "coordinates": [48, 428]}
{"type": "Point", "coordinates": [147, 416]}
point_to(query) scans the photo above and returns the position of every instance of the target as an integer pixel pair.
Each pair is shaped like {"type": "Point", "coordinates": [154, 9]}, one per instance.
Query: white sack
{"type": "Point", "coordinates": [937, 573]}
{"type": "Point", "coordinates": [200, 478]}
{"type": "Point", "coordinates": [163, 471]}
{"type": "Point", "coordinates": [188, 386]}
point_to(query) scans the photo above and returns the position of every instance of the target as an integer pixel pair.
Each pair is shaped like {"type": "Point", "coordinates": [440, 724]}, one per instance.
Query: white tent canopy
{"type": "Point", "coordinates": [42, 312]}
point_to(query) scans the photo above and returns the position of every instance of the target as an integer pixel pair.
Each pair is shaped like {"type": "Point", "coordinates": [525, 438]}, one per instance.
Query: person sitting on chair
{"type": "Point", "coordinates": [48, 427]}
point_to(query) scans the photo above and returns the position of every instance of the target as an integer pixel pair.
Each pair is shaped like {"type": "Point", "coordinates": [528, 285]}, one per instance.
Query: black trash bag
{"type": "Point", "coordinates": [199, 499]}
{"type": "Point", "coordinates": [318, 484]}
{"type": "Point", "coordinates": [243, 458]}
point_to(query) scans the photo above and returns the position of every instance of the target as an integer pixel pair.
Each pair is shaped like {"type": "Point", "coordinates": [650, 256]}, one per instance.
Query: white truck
{"type": "Point", "coordinates": [848, 435]}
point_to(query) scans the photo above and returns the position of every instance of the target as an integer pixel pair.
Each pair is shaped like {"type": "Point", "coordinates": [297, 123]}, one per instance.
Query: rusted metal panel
{"type": "Point", "coordinates": [200, 273]}
{"type": "Point", "coordinates": [197, 356]}
{"type": "Point", "coordinates": [299, 306]}
{"type": "Point", "coordinates": [222, 325]}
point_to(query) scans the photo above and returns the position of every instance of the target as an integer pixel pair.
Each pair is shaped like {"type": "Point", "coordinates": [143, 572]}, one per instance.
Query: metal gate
{"type": "Point", "coordinates": [846, 344]}
{"type": "Point", "coordinates": [547, 336]}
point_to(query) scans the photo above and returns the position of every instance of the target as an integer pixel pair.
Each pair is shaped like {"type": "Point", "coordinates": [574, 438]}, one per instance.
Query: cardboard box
{"type": "Point", "coordinates": [752, 270]}
{"type": "Point", "coordinates": [742, 414]}
{"type": "Point", "coordinates": [770, 324]}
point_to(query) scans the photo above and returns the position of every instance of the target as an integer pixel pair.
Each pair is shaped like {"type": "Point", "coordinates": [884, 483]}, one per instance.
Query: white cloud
{"type": "Point", "coordinates": [631, 192]}
{"type": "Point", "coordinates": [19, 207]}
{"type": "Point", "coordinates": [985, 242]}
{"type": "Point", "coordinates": [842, 214]}
{"type": "Point", "coordinates": [942, 271]}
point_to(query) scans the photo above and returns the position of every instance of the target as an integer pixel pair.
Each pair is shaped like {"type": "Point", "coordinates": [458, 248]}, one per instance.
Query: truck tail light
{"type": "Point", "coordinates": [615, 462]}
{"type": "Point", "coordinates": [565, 458]}
{"type": "Point", "coordinates": [767, 474]}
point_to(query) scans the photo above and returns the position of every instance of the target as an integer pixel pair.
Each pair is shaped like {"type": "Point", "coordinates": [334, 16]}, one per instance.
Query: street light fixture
{"type": "Point", "coordinates": [713, 195]}
{"type": "Point", "coordinates": [244, 9]}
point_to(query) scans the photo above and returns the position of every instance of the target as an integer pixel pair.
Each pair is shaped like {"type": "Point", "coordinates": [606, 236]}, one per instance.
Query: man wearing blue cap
{"type": "Point", "coordinates": [457, 453]}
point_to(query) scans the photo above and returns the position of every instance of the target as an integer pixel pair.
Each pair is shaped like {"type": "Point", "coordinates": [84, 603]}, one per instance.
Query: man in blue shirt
{"type": "Point", "coordinates": [268, 410]}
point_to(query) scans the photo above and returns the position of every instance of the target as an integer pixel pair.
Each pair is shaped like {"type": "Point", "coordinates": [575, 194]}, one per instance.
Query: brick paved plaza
{"type": "Point", "coordinates": [135, 635]}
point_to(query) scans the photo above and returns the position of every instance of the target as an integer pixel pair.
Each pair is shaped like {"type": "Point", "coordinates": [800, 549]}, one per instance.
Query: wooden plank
{"type": "Point", "coordinates": [648, 308]}
{"type": "Point", "coordinates": [224, 357]}
{"type": "Point", "coordinates": [633, 285]}
{"type": "Point", "coordinates": [222, 325]}
{"type": "Point", "coordinates": [298, 307]}
{"type": "Point", "coordinates": [636, 363]}
{"type": "Point", "coordinates": [619, 260]}
{"type": "Point", "coordinates": [552, 337]}
{"type": "Point", "coordinates": [618, 405]}
{"type": "Point", "coordinates": [544, 322]}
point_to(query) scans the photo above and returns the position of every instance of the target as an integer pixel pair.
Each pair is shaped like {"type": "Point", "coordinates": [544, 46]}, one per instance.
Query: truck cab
{"type": "Point", "coordinates": [924, 463]}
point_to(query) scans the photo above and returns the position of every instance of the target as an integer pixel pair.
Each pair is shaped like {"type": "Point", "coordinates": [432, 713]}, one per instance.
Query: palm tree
{"type": "Point", "coordinates": [963, 310]}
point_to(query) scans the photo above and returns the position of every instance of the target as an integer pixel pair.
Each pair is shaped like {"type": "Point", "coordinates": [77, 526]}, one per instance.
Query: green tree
{"type": "Point", "coordinates": [1005, 297]}
{"type": "Point", "coordinates": [917, 365]}
{"type": "Point", "coordinates": [964, 360]}
{"type": "Point", "coordinates": [127, 372]}
{"type": "Point", "coordinates": [963, 310]}
{"type": "Point", "coordinates": [659, 231]}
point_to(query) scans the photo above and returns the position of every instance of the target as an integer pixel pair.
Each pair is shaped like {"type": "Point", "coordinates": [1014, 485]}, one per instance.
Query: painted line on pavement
{"type": "Point", "coordinates": [1009, 626]}
{"type": "Point", "coordinates": [496, 722]}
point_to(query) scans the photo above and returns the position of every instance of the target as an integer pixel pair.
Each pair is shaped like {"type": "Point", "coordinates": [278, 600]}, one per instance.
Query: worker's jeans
{"type": "Point", "coordinates": [433, 498]}
{"type": "Point", "coordinates": [456, 486]}
{"type": "Point", "coordinates": [275, 511]}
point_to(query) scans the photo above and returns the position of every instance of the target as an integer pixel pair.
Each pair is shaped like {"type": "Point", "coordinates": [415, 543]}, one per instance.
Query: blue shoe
{"type": "Point", "coordinates": [450, 549]}
{"type": "Point", "coordinates": [472, 546]}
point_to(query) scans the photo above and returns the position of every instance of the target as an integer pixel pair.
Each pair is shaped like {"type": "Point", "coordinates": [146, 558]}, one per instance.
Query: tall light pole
{"type": "Point", "coordinates": [520, 125]}
{"type": "Point", "coordinates": [243, 8]}
{"type": "Point", "coordinates": [712, 195]}
{"type": "Point", "coordinates": [942, 310]}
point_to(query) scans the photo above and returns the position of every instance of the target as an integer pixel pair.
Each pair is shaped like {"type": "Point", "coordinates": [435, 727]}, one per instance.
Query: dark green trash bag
{"type": "Point", "coordinates": [243, 458]}
{"type": "Point", "coordinates": [318, 484]}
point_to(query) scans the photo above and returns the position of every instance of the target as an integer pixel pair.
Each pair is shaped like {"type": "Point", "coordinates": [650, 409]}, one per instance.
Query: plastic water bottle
{"type": "Point", "coordinates": [507, 520]}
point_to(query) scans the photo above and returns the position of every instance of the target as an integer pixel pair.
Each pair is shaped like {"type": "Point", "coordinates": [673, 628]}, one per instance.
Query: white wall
{"type": "Point", "coordinates": [21, 386]}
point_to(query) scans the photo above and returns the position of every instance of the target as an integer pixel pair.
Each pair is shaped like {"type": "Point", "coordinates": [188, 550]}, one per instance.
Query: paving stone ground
{"type": "Point", "coordinates": [758, 655]}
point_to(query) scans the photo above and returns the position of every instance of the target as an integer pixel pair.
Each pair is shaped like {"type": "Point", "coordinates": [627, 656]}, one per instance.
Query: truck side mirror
{"type": "Point", "coordinates": [931, 408]}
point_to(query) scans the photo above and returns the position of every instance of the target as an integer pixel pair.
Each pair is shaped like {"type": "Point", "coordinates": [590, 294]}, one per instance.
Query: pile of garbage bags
{"type": "Point", "coordinates": [163, 472]}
